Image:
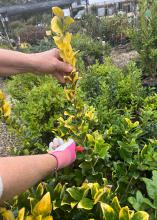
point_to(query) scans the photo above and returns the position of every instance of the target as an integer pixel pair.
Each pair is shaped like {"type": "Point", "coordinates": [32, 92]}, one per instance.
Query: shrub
{"type": "Point", "coordinates": [90, 200]}
{"type": "Point", "coordinates": [111, 134]}
{"type": "Point", "coordinates": [32, 34]}
{"type": "Point", "coordinates": [109, 29]}
{"type": "Point", "coordinates": [42, 45]}
{"type": "Point", "coordinates": [37, 103]}
{"type": "Point", "coordinates": [89, 25]}
{"type": "Point", "coordinates": [110, 89]}
{"type": "Point", "coordinates": [109, 127]}
{"type": "Point", "coordinates": [144, 37]}
{"type": "Point", "coordinates": [90, 50]}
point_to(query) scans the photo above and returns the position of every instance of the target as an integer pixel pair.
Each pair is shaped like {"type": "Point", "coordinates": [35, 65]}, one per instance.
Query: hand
{"type": "Point", "coordinates": [64, 152]}
{"type": "Point", "coordinates": [51, 63]}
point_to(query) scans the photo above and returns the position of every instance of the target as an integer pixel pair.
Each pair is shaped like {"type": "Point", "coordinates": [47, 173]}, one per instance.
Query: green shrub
{"type": "Point", "coordinates": [89, 201]}
{"type": "Point", "coordinates": [111, 127]}
{"type": "Point", "coordinates": [37, 103]}
{"type": "Point", "coordinates": [144, 37]}
{"type": "Point", "coordinates": [108, 29]}
{"type": "Point", "coordinates": [89, 25]}
{"type": "Point", "coordinates": [90, 50]}
{"type": "Point", "coordinates": [42, 45]}
{"type": "Point", "coordinates": [144, 202]}
{"type": "Point", "coordinates": [148, 116]}
{"type": "Point", "coordinates": [111, 89]}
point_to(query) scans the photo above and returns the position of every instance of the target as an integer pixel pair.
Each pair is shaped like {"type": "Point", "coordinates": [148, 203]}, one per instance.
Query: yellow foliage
{"type": "Point", "coordinates": [58, 12]}
{"type": "Point", "coordinates": [29, 217]}
{"type": "Point", "coordinates": [24, 45]}
{"type": "Point", "coordinates": [44, 206]}
{"type": "Point", "coordinates": [47, 218]}
{"type": "Point", "coordinates": [68, 20]}
{"type": "Point", "coordinates": [21, 214]}
{"type": "Point", "coordinates": [62, 39]}
{"type": "Point", "coordinates": [6, 109]}
{"type": "Point", "coordinates": [8, 215]}
{"type": "Point", "coordinates": [2, 96]}
{"type": "Point", "coordinates": [56, 25]}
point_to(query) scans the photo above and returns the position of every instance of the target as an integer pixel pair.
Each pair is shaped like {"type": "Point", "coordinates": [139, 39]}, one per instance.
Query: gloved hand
{"type": "Point", "coordinates": [64, 152]}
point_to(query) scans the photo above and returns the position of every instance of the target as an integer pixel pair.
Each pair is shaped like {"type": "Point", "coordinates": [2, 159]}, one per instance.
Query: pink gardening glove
{"type": "Point", "coordinates": [64, 152]}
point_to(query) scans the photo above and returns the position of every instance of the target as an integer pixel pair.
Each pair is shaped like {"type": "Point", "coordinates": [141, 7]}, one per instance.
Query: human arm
{"type": "Point", "coordinates": [48, 62]}
{"type": "Point", "coordinates": [22, 172]}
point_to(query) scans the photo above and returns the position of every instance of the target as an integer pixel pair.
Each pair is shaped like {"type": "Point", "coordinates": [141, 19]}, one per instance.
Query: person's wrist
{"type": "Point", "coordinates": [33, 63]}
{"type": "Point", "coordinates": [52, 162]}
{"type": "Point", "coordinates": [55, 159]}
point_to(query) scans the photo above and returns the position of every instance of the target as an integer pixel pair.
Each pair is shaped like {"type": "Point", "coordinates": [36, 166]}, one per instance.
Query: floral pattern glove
{"type": "Point", "coordinates": [64, 152]}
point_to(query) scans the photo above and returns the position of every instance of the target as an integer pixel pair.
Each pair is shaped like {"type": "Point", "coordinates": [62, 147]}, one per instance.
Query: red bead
{"type": "Point", "coordinates": [80, 149]}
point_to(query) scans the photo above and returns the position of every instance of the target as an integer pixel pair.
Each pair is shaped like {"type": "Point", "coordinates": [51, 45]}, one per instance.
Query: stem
{"type": "Point", "coordinates": [155, 213]}
{"type": "Point", "coordinates": [126, 189]}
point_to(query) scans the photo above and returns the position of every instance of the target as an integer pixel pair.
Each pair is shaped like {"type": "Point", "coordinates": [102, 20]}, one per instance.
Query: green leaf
{"type": "Point", "coordinates": [85, 203]}
{"type": "Point", "coordinates": [107, 211]}
{"type": "Point", "coordinates": [124, 213]}
{"type": "Point", "coordinates": [115, 205]}
{"type": "Point", "coordinates": [58, 190]}
{"type": "Point", "coordinates": [75, 193]}
{"type": "Point", "coordinates": [102, 149]}
{"type": "Point", "coordinates": [144, 150]}
{"type": "Point", "coordinates": [90, 138]}
{"type": "Point", "coordinates": [40, 190]}
{"type": "Point", "coordinates": [94, 189]}
{"type": "Point", "coordinates": [151, 186]}
{"type": "Point", "coordinates": [73, 204]}
{"type": "Point", "coordinates": [140, 202]}
{"type": "Point", "coordinates": [140, 216]}
{"type": "Point", "coordinates": [98, 195]}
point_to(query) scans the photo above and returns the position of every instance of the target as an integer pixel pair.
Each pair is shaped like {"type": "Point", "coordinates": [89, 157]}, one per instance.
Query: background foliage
{"type": "Point", "coordinates": [113, 117]}
{"type": "Point", "coordinates": [144, 37]}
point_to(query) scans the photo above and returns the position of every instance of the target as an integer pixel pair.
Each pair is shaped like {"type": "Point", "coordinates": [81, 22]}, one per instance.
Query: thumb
{"type": "Point", "coordinates": [64, 67]}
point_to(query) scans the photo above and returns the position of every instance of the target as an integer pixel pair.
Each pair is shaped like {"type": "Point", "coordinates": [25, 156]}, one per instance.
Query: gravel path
{"type": "Point", "coordinates": [121, 57]}
{"type": "Point", "coordinates": [7, 139]}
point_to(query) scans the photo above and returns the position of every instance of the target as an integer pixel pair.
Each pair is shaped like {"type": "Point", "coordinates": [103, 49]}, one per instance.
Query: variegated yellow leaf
{"type": "Point", "coordinates": [8, 215]}
{"type": "Point", "coordinates": [58, 12]}
{"type": "Point", "coordinates": [29, 217]}
{"type": "Point", "coordinates": [44, 206]}
{"type": "Point", "coordinates": [47, 218]}
{"type": "Point", "coordinates": [6, 109]}
{"type": "Point", "coordinates": [21, 214]}
{"type": "Point", "coordinates": [56, 25]}
{"type": "Point", "coordinates": [2, 96]}
{"type": "Point", "coordinates": [68, 21]}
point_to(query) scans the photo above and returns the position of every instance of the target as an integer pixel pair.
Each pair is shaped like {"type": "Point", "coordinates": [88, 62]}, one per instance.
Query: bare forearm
{"type": "Point", "coordinates": [20, 173]}
{"type": "Point", "coordinates": [12, 62]}
{"type": "Point", "coordinates": [48, 62]}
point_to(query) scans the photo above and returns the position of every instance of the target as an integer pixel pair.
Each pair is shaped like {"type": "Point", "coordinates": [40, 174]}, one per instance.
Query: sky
{"type": "Point", "coordinates": [96, 1]}
{"type": "Point", "coordinates": [101, 1]}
